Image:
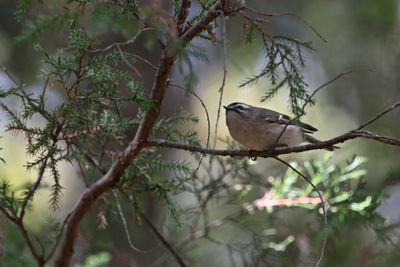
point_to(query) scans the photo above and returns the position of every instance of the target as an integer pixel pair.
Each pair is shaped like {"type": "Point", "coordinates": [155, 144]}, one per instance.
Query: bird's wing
{"type": "Point", "coordinates": [278, 117]}
{"type": "Point", "coordinates": [307, 127]}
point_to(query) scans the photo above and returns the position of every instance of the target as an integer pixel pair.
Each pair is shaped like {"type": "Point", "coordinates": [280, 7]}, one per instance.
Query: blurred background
{"type": "Point", "coordinates": [361, 36]}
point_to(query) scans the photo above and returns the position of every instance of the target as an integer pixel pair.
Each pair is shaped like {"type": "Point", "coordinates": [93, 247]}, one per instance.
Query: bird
{"type": "Point", "coordinates": [262, 129]}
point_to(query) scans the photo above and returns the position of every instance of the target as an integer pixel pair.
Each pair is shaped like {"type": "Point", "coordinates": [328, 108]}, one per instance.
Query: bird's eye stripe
{"type": "Point", "coordinates": [239, 106]}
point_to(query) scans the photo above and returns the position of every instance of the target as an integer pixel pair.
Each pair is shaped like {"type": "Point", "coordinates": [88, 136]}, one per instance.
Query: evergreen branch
{"type": "Point", "coordinates": [31, 191]}
{"type": "Point", "coordinates": [132, 150]}
{"type": "Point", "coordinates": [117, 169]}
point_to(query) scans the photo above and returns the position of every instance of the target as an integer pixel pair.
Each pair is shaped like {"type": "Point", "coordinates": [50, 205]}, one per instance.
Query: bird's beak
{"type": "Point", "coordinates": [226, 108]}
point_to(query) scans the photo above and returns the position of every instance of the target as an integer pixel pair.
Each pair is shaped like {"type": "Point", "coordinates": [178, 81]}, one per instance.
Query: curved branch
{"type": "Point", "coordinates": [278, 150]}
{"type": "Point", "coordinates": [394, 106]}
{"type": "Point", "coordinates": [123, 160]}
{"type": "Point", "coordinates": [300, 18]}
{"type": "Point", "coordinates": [114, 173]}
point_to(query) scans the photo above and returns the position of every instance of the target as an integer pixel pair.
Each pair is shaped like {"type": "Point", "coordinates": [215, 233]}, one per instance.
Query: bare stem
{"type": "Point", "coordinates": [395, 105]}
{"type": "Point", "coordinates": [321, 256]}
{"type": "Point", "coordinates": [221, 89]}
{"type": "Point", "coordinates": [163, 240]}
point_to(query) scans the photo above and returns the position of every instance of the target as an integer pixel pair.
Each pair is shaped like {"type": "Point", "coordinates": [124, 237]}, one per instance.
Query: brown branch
{"type": "Point", "coordinates": [278, 150]}
{"type": "Point", "coordinates": [202, 24]}
{"type": "Point", "coordinates": [119, 166]}
{"type": "Point", "coordinates": [113, 175]}
{"type": "Point", "coordinates": [39, 258]}
{"type": "Point", "coordinates": [183, 13]}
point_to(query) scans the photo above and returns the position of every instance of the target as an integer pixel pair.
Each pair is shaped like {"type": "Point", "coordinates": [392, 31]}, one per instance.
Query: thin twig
{"type": "Point", "coordinates": [85, 181]}
{"type": "Point", "coordinates": [221, 89]}
{"type": "Point", "coordinates": [128, 236]}
{"type": "Point", "coordinates": [15, 81]}
{"type": "Point", "coordinates": [288, 14]}
{"type": "Point", "coordinates": [127, 62]}
{"type": "Point", "coordinates": [31, 191]}
{"type": "Point", "coordinates": [39, 258]}
{"type": "Point", "coordinates": [58, 238]}
{"type": "Point", "coordinates": [309, 100]}
{"type": "Point", "coordinates": [321, 256]}
{"type": "Point", "coordinates": [8, 215]}
{"type": "Point", "coordinates": [164, 241]}
{"type": "Point", "coordinates": [333, 80]}
{"type": "Point", "coordinates": [207, 118]}
{"type": "Point", "coordinates": [144, 60]}
{"type": "Point", "coordinates": [263, 33]}
{"type": "Point", "coordinates": [395, 105]}
{"type": "Point", "coordinates": [130, 41]}
{"type": "Point", "coordinates": [202, 233]}
{"type": "Point", "coordinates": [1, 237]}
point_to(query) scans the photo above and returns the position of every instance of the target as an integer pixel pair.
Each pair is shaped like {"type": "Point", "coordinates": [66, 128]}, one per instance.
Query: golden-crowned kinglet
{"type": "Point", "coordinates": [259, 128]}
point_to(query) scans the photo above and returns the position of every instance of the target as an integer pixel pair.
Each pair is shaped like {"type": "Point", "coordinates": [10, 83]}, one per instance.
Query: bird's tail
{"type": "Point", "coordinates": [314, 140]}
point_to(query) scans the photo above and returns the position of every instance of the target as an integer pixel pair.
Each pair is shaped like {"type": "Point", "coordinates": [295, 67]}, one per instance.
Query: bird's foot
{"type": "Point", "coordinates": [253, 158]}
